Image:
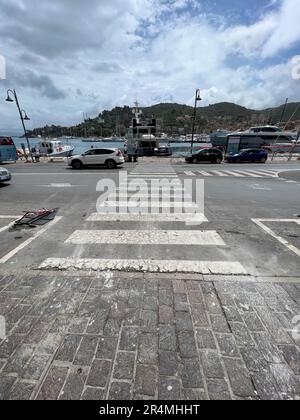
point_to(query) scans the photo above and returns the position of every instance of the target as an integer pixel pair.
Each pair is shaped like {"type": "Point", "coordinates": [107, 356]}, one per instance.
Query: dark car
{"type": "Point", "coordinates": [248, 155]}
{"type": "Point", "coordinates": [206, 155]}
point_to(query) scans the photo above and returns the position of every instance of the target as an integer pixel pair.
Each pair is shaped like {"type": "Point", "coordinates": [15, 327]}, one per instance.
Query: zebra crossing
{"type": "Point", "coordinates": [167, 240]}
{"type": "Point", "coordinates": [237, 173]}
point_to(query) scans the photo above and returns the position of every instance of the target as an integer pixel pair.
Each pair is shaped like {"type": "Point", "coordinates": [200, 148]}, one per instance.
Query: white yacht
{"type": "Point", "coordinates": [54, 148]}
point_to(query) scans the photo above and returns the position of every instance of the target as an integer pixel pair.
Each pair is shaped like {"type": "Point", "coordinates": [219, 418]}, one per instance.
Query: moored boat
{"type": "Point", "coordinates": [54, 148]}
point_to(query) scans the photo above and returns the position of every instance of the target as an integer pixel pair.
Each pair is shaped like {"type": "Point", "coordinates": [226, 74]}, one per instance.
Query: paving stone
{"type": "Point", "coordinates": [22, 391]}
{"type": "Point", "coordinates": [145, 380]}
{"type": "Point", "coordinates": [86, 351]}
{"type": "Point", "coordinates": [199, 316]}
{"type": "Point", "coordinates": [99, 373]}
{"type": "Point", "coordinates": [124, 366]}
{"type": "Point", "coordinates": [183, 321]}
{"type": "Point", "coordinates": [168, 365]}
{"type": "Point", "coordinates": [285, 378]}
{"type": "Point", "coordinates": [170, 389]}
{"type": "Point", "coordinates": [193, 285]}
{"type": "Point", "coordinates": [150, 301]}
{"type": "Point", "coordinates": [265, 385]}
{"type": "Point", "coordinates": [148, 321]}
{"type": "Point", "coordinates": [78, 325]}
{"type": "Point", "coordinates": [6, 383]}
{"type": "Point", "coordinates": [239, 377]}
{"type": "Point", "coordinates": [8, 346]}
{"type": "Point", "coordinates": [232, 314]}
{"type": "Point", "coordinates": [165, 297]}
{"type": "Point", "coordinates": [36, 367]}
{"type": "Point", "coordinates": [241, 334]}
{"type": "Point", "coordinates": [191, 374]}
{"type": "Point", "coordinates": [194, 395]}
{"type": "Point", "coordinates": [68, 348]}
{"type": "Point", "coordinates": [270, 351]}
{"type": "Point", "coordinates": [205, 339]}
{"type": "Point", "coordinates": [25, 325]}
{"type": "Point", "coordinates": [166, 315]}
{"type": "Point", "coordinates": [292, 356]}
{"type": "Point", "coordinates": [179, 286]}
{"type": "Point", "coordinates": [195, 296]}
{"type": "Point", "coordinates": [129, 338]}
{"type": "Point", "coordinates": [119, 391]}
{"type": "Point", "coordinates": [219, 324]}
{"type": "Point", "coordinates": [253, 322]}
{"type": "Point", "coordinates": [36, 334]}
{"type": "Point", "coordinates": [212, 303]}
{"type": "Point", "coordinates": [254, 359]}
{"type": "Point", "coordinates": [93, 394]}
{"type": "Point", "coordinates": [211, 364]}
{"type": "Point", "coordinates": [17, 313]}
{"type": "Point", "coordinates": [50, 343]}
{"type": "Point", "coordinates": [218, 390]}
{"type": "Point", "coordinates": [112, 327]}
{"type": "Point", "coordinates": [167, 338]}
{"type": "Point", "coordinates": [53, 383]}
{"type": "Point", "coordinates": [74, 385]}
{"type": "Point", "coordinates": [97, 322]}
{"type": "Point", "coordinates": [181, 302]}
{"type": "Point", "coordinates": [274, 327]}
{"type": "Point", "coordinates": [61, 324]}
{"type": "Point", "coordinates": [148, 349]}
{"type": "Point", "coordinates": [106, 348]}
{"type": "Point", "coordinates": [227, 345]}
{"type": "Point", "coordinates": [165, 284]}
{"type": "Point", "coordinates": [19, 359]}
{"type": "Point", "coordinates": [187, 344]}
{"type": "Point", "coordinates": [132, 317]}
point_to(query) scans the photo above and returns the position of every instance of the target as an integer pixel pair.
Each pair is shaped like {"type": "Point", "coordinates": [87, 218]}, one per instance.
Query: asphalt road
{"type": "Point", "coordinates": [251, 224]}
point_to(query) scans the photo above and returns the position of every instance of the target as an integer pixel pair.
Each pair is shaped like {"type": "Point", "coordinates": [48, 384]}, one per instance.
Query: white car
{"type": "Point", "coordinates": [111, 158]}
{"type": "Point", "coordinates": [5, 175]}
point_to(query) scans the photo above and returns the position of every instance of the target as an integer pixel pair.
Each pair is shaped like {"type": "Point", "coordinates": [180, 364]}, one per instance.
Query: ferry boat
{"type": "Point", "coordinates": [54, 148]}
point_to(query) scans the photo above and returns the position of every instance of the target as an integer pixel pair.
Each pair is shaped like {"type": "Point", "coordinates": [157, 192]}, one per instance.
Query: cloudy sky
{"type": "Point", "coordinates": [66, 57]}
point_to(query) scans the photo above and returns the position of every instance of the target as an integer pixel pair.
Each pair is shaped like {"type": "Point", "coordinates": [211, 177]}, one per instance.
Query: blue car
{"type": "Point", "coordinates": [248, 155]}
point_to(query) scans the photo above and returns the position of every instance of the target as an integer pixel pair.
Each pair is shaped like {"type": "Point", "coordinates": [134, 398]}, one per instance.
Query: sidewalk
{"type": "Point", "coordinates": [142, 336]}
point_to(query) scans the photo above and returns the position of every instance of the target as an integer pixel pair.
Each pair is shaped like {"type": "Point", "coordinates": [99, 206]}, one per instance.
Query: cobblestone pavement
{"type": "Point", "coordinates": [148, 337]}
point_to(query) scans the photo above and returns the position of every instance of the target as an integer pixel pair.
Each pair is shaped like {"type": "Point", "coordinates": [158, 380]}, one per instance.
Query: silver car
{"type": "Point", "coordinates": [5, 175]}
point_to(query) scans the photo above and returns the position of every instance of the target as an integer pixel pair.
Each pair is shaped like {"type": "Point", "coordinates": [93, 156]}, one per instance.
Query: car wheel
{"type": "Point", "coordinates": [111, 164]}
{"type": "Point", "coordinates": [219, 161]}
{"type": "Point", "coordinates": [77, 164]}
{"type": "Point", "coordinates": [263, 160]}
{"type": "Point", "coordinates": [238, 160]}
{"type": "Point", "coordinates": [194, 161]}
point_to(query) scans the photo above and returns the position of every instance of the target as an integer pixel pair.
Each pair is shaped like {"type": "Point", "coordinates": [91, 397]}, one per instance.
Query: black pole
{"type": "Point", "coordinates": [283, 111]}
{"type": "Point", "coordinates": [23, 124]}
{"type": "Point", "coordinates": [194, 121]}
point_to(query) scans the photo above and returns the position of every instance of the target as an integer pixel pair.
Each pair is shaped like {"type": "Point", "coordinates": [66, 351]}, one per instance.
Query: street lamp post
{"type": "Point", "coordinates": [23, 116]}
{"type": "Point", "coordinates": [197, 98]}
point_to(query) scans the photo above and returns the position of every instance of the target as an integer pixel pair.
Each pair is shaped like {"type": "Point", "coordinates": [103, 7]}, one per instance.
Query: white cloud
{"type": "Point", "coordinates": [101, 54]}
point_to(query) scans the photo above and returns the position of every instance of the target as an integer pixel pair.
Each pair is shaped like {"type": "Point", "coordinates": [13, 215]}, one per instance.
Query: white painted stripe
{"type": "Point", "coordinates": [146, 204]}
{"type": "Point", "coordinates": [152, 173]}
{"type": "Point", "coordinates": [161, 217]}
{"type": "Point", "coordinates": [261, 173]}
{"type": "Point", "coordinates": [150, 266]}
{"type": "Point", "coordinates": [189, 173]}
{"type": "Point", "coordinates": [248, 174]}
{"type": "Point", "coordinates": [3, 229]}
{"type": "Point", "coordinates": [204, 173]}
{"type": "Point", "coordinates": [279, 238]}
{"type": "Point", "coordinates": [234, 174]}
{"type": "Point", "coordinates": [149, 196]}
{"type": "Point", "coordinates": [146, 237]}
{"type": "Point", "coordinates": [264, 172]}
{"type": "Point", "coordinates": [219, 173]}
{"type": "Point", "coordinates": [29, 240]}
{"type": "Point", "coordinates": [131, 190]}
{"type": "Point", "coordinates": [152, 176]}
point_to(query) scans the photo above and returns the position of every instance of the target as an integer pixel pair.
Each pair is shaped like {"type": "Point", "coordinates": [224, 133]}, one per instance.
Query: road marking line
{"type": "Point", "coordinates": [219, 173]}
{"type": "Point", "coordinates": [6, 227]}
{"type": "Point", "coordinates": [149, 196]}
{"type": "Point", "coordinates": [29, 240]}
{"type": "Point", "coordinates": [161, 217]}
{"type": "Point", "coordinates": [283, 241]}
{"type": "Point", "coordinates": [146, 204]}
{"type": "Point", "coordinates": [152, 266]}
{"type": "Point", "coordinates": [234, 174]}
{"type": "Point", "coordinates": [189, 173]}
{"type": "Point", "coordinates": [146, 237]}
{"type": "Point", "coordinates": [264, 172]}
{"type": "Point", "coordinates": [249, 174]}
{"type": "Point", "coordinates": [204, 173]}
